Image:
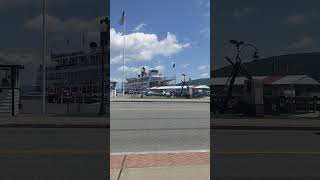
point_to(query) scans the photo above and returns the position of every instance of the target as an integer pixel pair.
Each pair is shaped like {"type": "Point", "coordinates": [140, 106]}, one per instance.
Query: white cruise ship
{"type": "Point", "coordinates": [146, 80]}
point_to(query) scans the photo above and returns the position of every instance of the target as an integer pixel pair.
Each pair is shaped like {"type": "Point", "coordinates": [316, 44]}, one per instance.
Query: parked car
{"type": "Point", "coordinates": [165, 93]}
{"type": "Point", "coordinates": [65, 94]}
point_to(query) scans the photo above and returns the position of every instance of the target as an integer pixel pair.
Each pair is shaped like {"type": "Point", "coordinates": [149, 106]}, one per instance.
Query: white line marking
{"type": "Point", "coordinates": [159, 152]}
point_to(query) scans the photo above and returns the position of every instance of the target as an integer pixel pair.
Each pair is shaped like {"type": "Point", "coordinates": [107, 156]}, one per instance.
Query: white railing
{"type": "Point", "coordinates": [6, 101]}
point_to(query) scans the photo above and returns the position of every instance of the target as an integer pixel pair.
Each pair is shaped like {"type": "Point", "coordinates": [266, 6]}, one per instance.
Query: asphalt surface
{"type": "Point", "coordinates": [263, 154]}
{"type": "Point", "coordinates": [44, 153]}
{"type": "Point", "coordinates": [149, 127]}
{"type": "Point", "coordinates": [53, 154]}
{"type": "Point", "coordinates": [74, 153]}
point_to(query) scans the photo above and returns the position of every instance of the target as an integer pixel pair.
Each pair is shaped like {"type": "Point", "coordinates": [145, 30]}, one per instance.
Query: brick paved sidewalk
{"type": "Point", "coordinates": [159, 166]}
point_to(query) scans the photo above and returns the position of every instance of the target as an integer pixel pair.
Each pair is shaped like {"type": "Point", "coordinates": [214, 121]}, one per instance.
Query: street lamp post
{"type": "Point", "coordinates": [43, 58]}
{"type": "Point", "coordinates": [183, 84]}
{"type": "Point", "coordinates": [104, 41]}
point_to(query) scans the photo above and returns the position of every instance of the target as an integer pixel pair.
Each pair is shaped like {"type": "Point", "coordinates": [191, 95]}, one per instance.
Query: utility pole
{"type": "Point", "coordinates": [43, 58]}
{"type": "Point", "coordinates": [183, 84]}
{"type": "Point", "coordinates": [104, 41]}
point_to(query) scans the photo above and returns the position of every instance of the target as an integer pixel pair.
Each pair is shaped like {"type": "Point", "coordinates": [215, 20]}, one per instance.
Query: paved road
{"type": "Point", "coordinates": [145, 127]}
{"type": "Point", "coordinates": [53, 154]}
{"type": "Point", "coordinates": [44, 153]}
{"type": "Point", "coordinates": [246, 154]}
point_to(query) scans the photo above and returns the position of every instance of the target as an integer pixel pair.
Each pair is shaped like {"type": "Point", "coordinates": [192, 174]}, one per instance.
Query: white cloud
{"type": "Point", "coordinates": [296, 19]}
{"type": "Point", "coordinates": [35, 24]}
{"type": "Point", "coordinates": [160, 68]}
{"type": "Point", "coordinates": [130, 69]}
{"type": "Point", "coordinates": [55, 24]}
{"type": "Point", "coordinates": [206, 32]}
{"type": "Point", "coordinates": [185, 65]}
{"type": "Point", "coordinates": [119, 80]}
{"type": "Point", "coordinates": [137, 70]}
{"type": "Point", "coordinates": [205, 75]}
{"type": "Point", "coordinates": [140, 27]}
{"type": "Point", "coordinates": [205, 3]}
{"type": "Point", "coordinates": [143, 47]}
{"type": "Point", "coordinates": [303, 44]}
{"type": "Point", "coordinates": [203, 67]}
{"type": "Point", "coordinates": [239, 13]}
{"type": "Point", "coordinates": [139, 46]}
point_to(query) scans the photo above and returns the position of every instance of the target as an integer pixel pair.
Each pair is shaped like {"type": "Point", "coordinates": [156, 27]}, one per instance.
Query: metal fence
{"type": "Point", "coordinates": [272, 105]}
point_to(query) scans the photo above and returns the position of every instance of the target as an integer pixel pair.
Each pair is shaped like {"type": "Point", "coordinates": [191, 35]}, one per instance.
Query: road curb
{"type": "Point", "coordinates": [305, 128]}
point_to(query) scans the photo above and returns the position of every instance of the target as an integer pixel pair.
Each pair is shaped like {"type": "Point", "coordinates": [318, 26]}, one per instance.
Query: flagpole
{"type": "Point", "coordinates": [175, 76]}
{"type": "Point", "coordinates": [124, 45]}
{"type": "Point", "coordinates": [43, 59]}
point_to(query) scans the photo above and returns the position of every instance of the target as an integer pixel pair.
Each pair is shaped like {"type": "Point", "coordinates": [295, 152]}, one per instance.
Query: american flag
{"type": "Point", "coordinates": [123, 18]}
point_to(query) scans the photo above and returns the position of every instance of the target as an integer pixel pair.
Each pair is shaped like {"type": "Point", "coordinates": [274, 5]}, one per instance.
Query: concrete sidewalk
{"type": "Point", "coordinates": [170, 166]}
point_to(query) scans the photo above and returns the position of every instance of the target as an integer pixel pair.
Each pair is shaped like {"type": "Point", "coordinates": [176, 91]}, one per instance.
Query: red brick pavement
{"type": "Point", "coordinates": [159, 160]}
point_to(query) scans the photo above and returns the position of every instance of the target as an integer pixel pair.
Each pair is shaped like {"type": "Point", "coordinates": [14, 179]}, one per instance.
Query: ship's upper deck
{"type": "Point", "coordinates": [90, 57]}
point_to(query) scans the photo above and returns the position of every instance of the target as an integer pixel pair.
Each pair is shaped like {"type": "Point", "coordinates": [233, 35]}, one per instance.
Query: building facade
{"type": "Point", "coordinates": [287, 86]}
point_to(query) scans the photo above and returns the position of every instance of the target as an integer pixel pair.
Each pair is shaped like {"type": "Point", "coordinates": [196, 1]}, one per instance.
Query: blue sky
{"type": "Point", "coordinates": [276, 27]}
{"type": "Point", "coordinates": [186, 21]}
